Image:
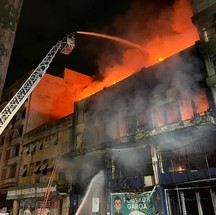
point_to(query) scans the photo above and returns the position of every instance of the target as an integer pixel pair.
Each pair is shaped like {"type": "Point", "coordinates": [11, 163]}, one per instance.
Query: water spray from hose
{"type": "Point", "coordinates": [137, 46]}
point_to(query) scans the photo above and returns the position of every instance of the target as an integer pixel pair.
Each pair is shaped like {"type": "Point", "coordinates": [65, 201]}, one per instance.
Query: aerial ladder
{"type": "Point", "coordinates": [65, 46]}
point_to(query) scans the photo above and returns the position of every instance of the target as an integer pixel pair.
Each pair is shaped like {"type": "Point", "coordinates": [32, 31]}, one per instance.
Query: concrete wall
{"type": "Point", "coordinates": [54, 98]}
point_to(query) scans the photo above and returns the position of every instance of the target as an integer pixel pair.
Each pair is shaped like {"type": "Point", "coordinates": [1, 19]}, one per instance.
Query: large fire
{"type": "Point", "coordinates": [171, 32]}
{"type": "Point", "coordinates": [168, 33]}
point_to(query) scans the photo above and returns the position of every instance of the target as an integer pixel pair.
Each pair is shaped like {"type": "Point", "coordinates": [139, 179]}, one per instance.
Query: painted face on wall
{"type": "Point", "coordinates": [118, 204]}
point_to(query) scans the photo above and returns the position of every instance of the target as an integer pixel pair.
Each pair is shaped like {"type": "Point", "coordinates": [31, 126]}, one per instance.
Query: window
{"type": "Point", "coordinates": [172, 113]}
{"type": "Point", "coordinates": [209, 32]}
{"type": "Point", "coordinates": [24, 171]}
{"type": "Point", "coordinates": [36, 170]}
{"type": "Point", "coordinates": [32, 148]}
{"type": "Point", "coordinates": [131, 124]}
{"type": "Point", "coordinates": [51, 165]}
{"type": "Point", "coordinates": [15, 133]}
{"type": "Point", "coordinates": [17, 147]}
{"type": "Point", "coordinates": [44, 166]}
{"type": "Point", "coordinates": [83, 111]}
{"type": "Point", "coordinates": [101, 134]}
{"type": "Point", "coordinates": [23, 113]}
{"type": "Point", "coordinates": [205, 35]}
{"type": "Point", "coordinates": [20, 130]}
{"type": "Point", "coordinates": [158, 117]}
{"type": "Point", "coordinates": [7, 154]}
{"type": "Point", "coordinates": [112, 129]}
{"type": "Point", "coordinates": [31, 168]}
{"type": "Point", "coordinates": [26, 149]}
{"type": "Point", "coordinates": [10, 137]}
{"type": "Point", "coordinates": [54, 140]}
{"type": "Point", "coordinates": [2, 140]}
{"type": "Point", "coordinates": [39, 146]}
{"type": "Point", "coordinates": [4, 173]}
{"type": "Point", "coordinates": [213, 61]}
{"type": "Point", "coordinates": [122, 126]}
{"type": "Point", "coordinates": [13, 170]}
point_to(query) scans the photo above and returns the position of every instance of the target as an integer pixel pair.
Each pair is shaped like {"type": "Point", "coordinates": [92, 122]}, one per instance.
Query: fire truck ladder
{"type": "Point", "coordinates": [46, 196]}
{"type": "Point", "coordinates": [66, 45]}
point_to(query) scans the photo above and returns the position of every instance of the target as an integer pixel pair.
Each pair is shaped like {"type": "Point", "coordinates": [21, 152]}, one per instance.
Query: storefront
{"type": "Point", "coordinates": [28, 200]}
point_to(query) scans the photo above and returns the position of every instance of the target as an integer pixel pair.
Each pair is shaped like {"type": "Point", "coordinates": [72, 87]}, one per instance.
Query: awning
{"type": "Point", "coordinates": [26, 149]}
{"type": "Point", "coordinates": [38, 146]}
{"type": "Point", "coordinates": [32, 148]}
{"type": "Point", "coordinates": [37, 167]}
{"type": "Point", "coordinates": [51, 165]}
{"type": "Point", "coordinates": [24, 171]}
{"type": "Point", "coordinates": [46, 144]}
{"type": "Point", "coordinates": [54, 140]}
{"type": "Point", "coordinates": [44, 166]}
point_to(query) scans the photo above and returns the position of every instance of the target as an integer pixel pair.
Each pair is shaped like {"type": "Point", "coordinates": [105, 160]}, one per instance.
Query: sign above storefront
{"type": "Point", "coordinates": [36, 190]}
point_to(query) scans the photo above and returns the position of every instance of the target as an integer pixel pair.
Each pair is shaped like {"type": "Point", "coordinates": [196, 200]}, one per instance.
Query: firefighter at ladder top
{"type": "Point", "coordinates": [118, 205]}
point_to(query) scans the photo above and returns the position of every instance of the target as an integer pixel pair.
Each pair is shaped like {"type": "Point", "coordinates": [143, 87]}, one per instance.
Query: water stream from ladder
{"type": "Point", "coordinates": [129, 43]}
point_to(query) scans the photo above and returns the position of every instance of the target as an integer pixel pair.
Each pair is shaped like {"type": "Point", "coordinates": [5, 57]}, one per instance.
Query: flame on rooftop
{"type": "Point", "coordinates": [168, 33]}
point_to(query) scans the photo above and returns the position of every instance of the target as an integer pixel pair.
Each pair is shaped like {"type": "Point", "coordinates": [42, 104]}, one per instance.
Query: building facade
{"type": "Point", "coordinates": [204, 20]}
{"type": "Point", "coordinates": [51, 100]}
{"type": "Point", "coordinates": [146, 144]}
{"type": "Point", "coordinates": [148, 140]}
{"type": "Point", "coordinates": [40, 156]}
{"type": "Point", "coordinates": [151, 134]}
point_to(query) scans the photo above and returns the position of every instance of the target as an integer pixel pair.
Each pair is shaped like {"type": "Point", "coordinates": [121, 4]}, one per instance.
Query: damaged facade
{"type": "Point", "coordinates": [150, 139]}
{"type": "Point", "coordinates": [154, 133]}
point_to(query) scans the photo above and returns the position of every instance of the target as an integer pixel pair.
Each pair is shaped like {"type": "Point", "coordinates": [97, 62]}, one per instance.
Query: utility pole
{"type": "Point", "coordinates": [9, 18]}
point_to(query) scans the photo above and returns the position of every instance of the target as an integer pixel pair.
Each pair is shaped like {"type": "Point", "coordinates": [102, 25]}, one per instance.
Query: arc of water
{"type": "Point", "coordinates": [135, 45]}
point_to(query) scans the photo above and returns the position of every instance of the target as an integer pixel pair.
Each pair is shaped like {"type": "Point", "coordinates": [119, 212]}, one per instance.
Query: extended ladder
{"type": "Point", "coordinates": [66, 45]}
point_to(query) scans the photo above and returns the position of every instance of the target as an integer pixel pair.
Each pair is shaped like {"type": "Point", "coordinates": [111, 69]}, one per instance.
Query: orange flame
{"type": "Point", "coordinates": [178, 34]}
{"type": "Point", "coordinates": [180, 169]}
{"type": "Point", "coordinates": [160, 59]}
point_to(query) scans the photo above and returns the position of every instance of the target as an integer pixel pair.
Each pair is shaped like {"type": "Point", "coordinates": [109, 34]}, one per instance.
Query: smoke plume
{"type": "Point", "coordinates": [161, 30]}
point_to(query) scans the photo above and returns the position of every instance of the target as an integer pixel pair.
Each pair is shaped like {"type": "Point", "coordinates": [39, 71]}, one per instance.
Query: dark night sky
{"type": "Point", "coordinates": [44, 22]}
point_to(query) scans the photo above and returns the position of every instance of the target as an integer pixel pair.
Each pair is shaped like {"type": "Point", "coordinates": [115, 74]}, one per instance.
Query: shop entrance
{"type": "Point", "coordinates": [191, 200]}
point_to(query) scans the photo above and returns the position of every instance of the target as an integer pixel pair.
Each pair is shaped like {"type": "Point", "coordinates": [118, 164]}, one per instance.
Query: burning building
{"type": "Point", "coordinates": [147, 142]}
{"type": "Point", "coordinates": [156, 131]}
{"type": "Point", "coordinates": [152, 131]}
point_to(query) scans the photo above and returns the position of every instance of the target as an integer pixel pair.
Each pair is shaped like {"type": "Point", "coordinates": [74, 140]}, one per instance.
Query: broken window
{"type": "Point", "coordinates": [131, 124]}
